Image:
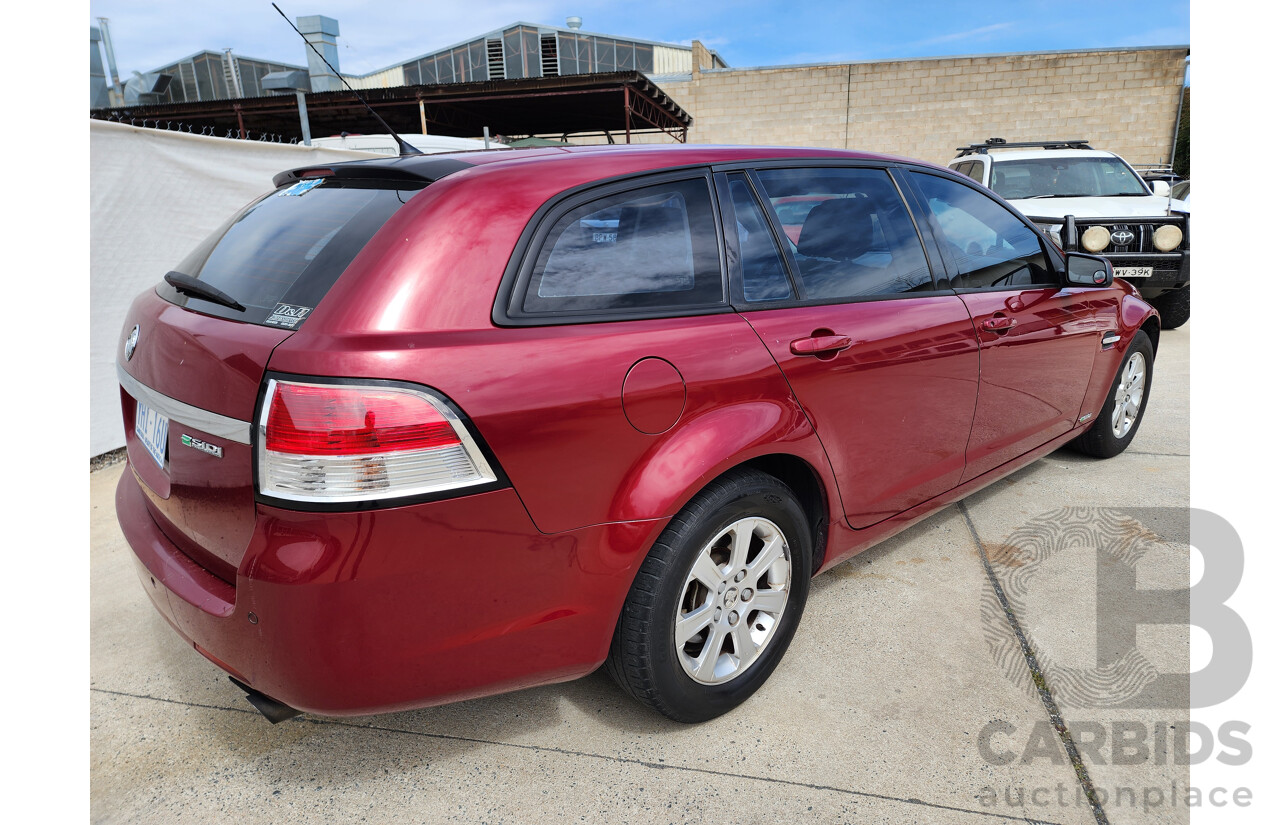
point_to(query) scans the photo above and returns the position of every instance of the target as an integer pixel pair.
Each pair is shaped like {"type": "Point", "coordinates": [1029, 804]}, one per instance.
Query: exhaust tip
{"type": "Point", "coordinates": [276, 712]}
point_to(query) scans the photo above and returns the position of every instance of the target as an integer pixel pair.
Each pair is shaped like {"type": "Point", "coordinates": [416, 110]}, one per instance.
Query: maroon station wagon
{"type": "Point", "coordinates": [412, 430]}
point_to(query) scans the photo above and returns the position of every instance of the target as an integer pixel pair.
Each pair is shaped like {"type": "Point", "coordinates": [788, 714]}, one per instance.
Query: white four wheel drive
{"type": "Point", "coordinates": [1093, 201]}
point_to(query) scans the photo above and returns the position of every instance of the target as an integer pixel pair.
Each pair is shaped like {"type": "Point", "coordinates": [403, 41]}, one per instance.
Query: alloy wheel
{"type": "Point", "coordinates": [733, 600]}
{"type": "Point", "coordinates": [1129, 390]}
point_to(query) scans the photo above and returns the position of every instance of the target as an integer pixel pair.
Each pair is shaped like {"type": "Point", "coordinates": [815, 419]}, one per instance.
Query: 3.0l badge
{"type": "Point", "coordinates": [203, 446]}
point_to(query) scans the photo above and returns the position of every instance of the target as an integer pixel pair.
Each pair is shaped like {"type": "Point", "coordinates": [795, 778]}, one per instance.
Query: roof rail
{"type": "Point", "coordinates": [1001, 143]}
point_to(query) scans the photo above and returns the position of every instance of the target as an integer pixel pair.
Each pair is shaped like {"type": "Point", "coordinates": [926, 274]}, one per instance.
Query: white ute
{"type": "Point", "coordinates": [1093, 201]}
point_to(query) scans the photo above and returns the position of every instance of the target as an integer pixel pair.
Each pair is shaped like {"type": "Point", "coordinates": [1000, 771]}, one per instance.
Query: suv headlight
{"type": "Point", "coordinates": [1167, 238]}
{"type": "Point", "coordinates": [1095, 239]}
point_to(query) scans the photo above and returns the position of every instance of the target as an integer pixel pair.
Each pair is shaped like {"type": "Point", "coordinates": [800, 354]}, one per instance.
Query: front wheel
{"type": "Point", "coordinates": [717, 600]}
{"type": "Point", "coordinates": [1117, 423]}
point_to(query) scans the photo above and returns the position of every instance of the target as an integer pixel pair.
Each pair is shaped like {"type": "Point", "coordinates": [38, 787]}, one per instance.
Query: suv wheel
{"type": "Point", "coordinates": [1117, 423]}
{"type": "Point", "coordinates": [1174, 307]}
{"type": "Point", "coordinates": [717, 600]}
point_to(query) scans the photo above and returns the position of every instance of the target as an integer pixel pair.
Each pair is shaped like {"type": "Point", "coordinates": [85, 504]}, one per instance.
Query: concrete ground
{"type": "Point", "coordinates": [905, 696]}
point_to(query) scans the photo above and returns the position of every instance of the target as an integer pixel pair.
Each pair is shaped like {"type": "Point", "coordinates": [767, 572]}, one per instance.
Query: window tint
{"type": "Point", "coordinates": [650, 247]}
{"type": "Point", "coordinates": [289, 246]}
{"type": "Point", "coordinates": [985, 243]}
{"type": "Point", "coordinates": [764, 277]}
{"type": "Point", "coordinates": [972, 170]}
{"type": "Point", "coordinates": [849, 232]}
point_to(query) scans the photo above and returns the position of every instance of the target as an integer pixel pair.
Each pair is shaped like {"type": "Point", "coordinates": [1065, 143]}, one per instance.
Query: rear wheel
{"type": "Point", "coordinates": [1117, 423]}
{"type": "Point", "coordinates": [717, 600]}
{"type": "Point", "coordinates": [1174, 307]}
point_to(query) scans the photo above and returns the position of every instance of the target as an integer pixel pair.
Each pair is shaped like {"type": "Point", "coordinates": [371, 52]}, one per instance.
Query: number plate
{"type": "Point", "coordinates": [1134, 271]}
{"type": "Point", "coordinates": [152, 429]}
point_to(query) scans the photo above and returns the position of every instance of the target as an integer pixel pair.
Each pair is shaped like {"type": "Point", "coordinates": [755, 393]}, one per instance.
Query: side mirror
{"type": "Point", "coordinates": [1160, 188]}
{"type": "Point", "coordinates": [1088, 270]}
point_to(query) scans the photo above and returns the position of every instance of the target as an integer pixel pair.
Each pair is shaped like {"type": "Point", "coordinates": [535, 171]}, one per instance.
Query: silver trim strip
{"type": "Point", "coordinates": [232, 429]}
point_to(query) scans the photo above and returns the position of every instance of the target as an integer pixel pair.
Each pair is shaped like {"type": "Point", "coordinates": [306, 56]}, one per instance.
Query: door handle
{"type": "Point", "coordinates": [999, 323]}
{"type": "Point", "coordinates": [821, 345]}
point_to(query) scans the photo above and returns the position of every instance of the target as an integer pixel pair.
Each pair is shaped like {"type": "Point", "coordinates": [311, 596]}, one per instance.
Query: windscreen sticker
{"type": "Point", "coordinates": [302, 187]}
{"type": "Point", "coordinates": [287, 316]}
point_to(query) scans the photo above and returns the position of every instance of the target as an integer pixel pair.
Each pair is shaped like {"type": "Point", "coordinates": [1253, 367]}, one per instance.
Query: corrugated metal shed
{"type": "Point", "coordinates": [616, 104]}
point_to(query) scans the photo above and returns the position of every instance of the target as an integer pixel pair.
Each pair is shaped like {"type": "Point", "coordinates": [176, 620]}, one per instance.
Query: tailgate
{"type": "Point", "coordinates": [202, 375]}
{"type": "Point", "coordinates": [190, 383]}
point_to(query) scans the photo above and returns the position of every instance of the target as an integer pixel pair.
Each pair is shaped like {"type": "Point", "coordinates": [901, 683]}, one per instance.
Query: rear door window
{"type": "Point", "coordinates": [288, 247]}
{"type": "Point", "coordinates": [848, 232]}
{"type": "Point", "coordinates": [651, 248]}
{"type": "Point", "coordinates": [756, 254]}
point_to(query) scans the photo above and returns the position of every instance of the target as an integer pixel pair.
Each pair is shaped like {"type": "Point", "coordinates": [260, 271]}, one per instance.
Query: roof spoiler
{"type": "Point", "coordinates": [414, 169]}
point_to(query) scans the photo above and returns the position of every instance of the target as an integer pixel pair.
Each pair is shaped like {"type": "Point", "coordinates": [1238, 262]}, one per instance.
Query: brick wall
{"type": "Point", "coordinates": [1124, 100]}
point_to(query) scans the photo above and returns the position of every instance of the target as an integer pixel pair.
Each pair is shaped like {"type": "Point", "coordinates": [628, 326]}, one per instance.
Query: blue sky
{"type": "Point", "coordinates": [150, 33]}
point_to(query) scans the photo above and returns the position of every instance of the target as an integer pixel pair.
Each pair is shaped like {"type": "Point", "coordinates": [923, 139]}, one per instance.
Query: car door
{"type": "Point", "coordinates": [1038, 337]}
{"type": "Point", "coordinates": [830, 270]}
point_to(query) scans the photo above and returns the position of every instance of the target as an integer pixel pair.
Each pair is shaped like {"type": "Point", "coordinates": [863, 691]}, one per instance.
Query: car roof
{"type": "Point", "coordinates": [505, 189]}
{"type": "Point", "coordinates": [637, 157]}
{"type": "Point", "coordinates": [680, 152]}
{"type": "Point", "coordinates": [1032, 154]}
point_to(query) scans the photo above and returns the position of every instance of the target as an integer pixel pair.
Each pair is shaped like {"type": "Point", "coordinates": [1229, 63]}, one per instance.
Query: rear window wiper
{"type": "Point", "coordinates": [199, 289]}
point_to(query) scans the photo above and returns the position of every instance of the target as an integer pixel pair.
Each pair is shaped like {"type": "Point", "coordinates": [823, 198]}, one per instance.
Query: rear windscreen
{"type": "Point", "coordinates": [281, 254]}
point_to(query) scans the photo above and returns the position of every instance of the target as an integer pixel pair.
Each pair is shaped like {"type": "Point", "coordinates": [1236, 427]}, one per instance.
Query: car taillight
{"type": "Point", "coordinates": [344, 443]}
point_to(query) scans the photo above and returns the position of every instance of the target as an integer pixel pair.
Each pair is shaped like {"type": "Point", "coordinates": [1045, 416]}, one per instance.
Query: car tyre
{"type": "Point", "coordinates": [734, 563]}
{"type": "Point", "coordinates": [1118, 421]}
{"type": "Point", "coordinates": [1174, 307]}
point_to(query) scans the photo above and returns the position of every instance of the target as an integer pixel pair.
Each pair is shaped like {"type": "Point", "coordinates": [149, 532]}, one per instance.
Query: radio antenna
{"type": "Point", "coordinates": [405, 148]}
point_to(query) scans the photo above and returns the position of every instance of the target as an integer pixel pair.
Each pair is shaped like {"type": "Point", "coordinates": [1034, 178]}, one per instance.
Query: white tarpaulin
{"type": "Point", "coordinates": [153, 196]}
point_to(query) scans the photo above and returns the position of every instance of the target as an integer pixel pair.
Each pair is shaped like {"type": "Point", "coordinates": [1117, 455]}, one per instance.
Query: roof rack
{"type": "Point", "coordinates": [1001, 143]}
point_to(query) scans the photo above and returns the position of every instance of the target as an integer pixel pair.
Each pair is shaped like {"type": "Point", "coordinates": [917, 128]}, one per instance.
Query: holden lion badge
{"type": "Point", "coordinates": [131, 343]}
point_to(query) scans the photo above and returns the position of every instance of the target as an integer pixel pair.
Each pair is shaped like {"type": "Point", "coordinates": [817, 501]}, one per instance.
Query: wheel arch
{"type": "Point", "coordinates": [1136, 314]}
{"type": "Point", "coordinates": [788, 451]}
{"type": "Point", "coordinates": [803, 480]}
{"type": "Point", "coordinates": [640, 656]}
{"type": "Point", "coordinates": [815, 493]}
{"type": "Point", "coordinates": [1151, 326]}
{"type": "Point", "coordinates": [681, 463]}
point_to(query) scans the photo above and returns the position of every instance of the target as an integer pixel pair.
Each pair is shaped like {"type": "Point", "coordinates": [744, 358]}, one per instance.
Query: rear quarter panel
{"type": "Point", "coordinates": [416, 306]}
{"type": "Point", "coordinates": [548, 401]}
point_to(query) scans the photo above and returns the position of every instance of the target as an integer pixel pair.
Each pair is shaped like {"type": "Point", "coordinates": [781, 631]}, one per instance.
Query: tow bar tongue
{"type": "Point", "coordinates": [276, 712]}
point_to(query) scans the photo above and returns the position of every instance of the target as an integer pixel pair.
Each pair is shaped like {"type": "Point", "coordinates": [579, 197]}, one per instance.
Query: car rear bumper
{"type": "Point", "coordinates": [351, 613]}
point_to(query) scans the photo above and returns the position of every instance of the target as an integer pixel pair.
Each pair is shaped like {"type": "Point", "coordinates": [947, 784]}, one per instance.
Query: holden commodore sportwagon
{"type": "Point", "coordinates": [408, 431]}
